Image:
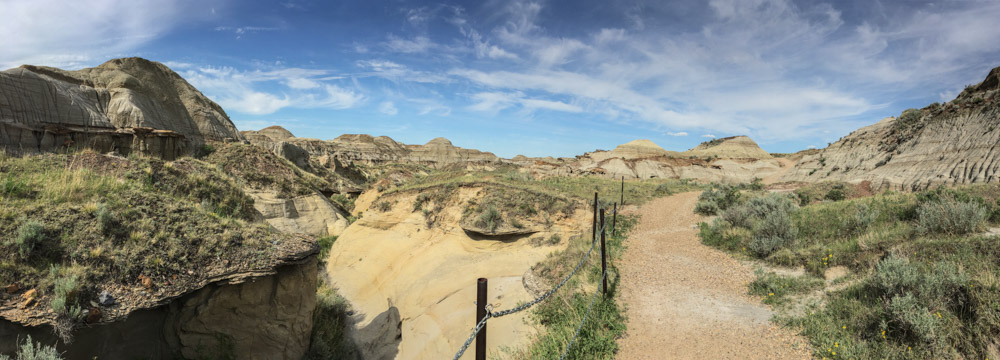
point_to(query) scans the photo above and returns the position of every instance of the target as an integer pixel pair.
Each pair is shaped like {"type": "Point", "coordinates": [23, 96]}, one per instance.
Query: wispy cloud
{"type": "Point", "coordinates": [258, 92]}
{"type": "Point", "coordinates": [78, 33]}
{"type": "Point", "coordinates": [677, 133]}
{"type": "Point", "coordinates": [388, 108]}
{"type": "Point", "coordinates": [240, 31]}
{"type": "Point", "coordinates": [710, 136]}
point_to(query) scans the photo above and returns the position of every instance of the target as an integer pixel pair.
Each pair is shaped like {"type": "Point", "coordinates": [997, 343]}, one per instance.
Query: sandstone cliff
{"type": "Point", "coordinates": [123, 105]}
{"type": "Point", "coordinates": [942, 144]}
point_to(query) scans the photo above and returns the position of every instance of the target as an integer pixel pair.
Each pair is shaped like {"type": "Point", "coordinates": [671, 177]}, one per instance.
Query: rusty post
{"type": "Point", "coordinates": [604, 258]}
{"type": "Point", "coordinates": [594, 237]}
{"type": "Point", "coordinates": [480, 314]}
{"type": "Point", "coordinates": [614, 219]}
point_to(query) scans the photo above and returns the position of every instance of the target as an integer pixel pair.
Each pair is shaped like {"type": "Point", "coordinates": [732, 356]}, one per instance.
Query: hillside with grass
{"type": "Point", "coordinates": [91, 238]}
{"type": "Point", "coordinates": [951, 143]}
{"type": "Point", "coordinates": [893, 275]}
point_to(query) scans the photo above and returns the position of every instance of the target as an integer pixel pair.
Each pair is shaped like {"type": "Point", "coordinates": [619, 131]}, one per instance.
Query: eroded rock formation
{"type": "Point", "coordinates": [123, 105]}
{"type": "Point", "coordinates": [942, 144]}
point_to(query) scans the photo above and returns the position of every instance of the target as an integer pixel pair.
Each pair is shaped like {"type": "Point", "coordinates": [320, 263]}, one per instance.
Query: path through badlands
{"type": "Point", "coordinates": [686, 300]}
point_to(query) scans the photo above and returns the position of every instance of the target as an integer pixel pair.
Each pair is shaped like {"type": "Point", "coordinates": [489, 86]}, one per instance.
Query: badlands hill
{"type": "Point", "coordinates": [957, 142]}
{"type": "Point", "coordinates": [123, 105]}
{"type": "Point", "coordinates": [732, 159]}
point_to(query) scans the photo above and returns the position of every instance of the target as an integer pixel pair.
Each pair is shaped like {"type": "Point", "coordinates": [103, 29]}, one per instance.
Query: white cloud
{"type": "Point", "coordinates": [392, 71]}
{"type": "Point", "coordinates": [496, 101]}
{"type": "Point", "coordinates": [388, 108]}
{"type": "Point", "coordinates": [75, 34]}
{"type": "Point", "coordinates": [302, 83]}
{"type": "Point", "coordinates": [419, 44]}
{"type": "Point", "coordinates": [243, 91]}
{"type": "Point", "coordinates": [240, 31]}
{"type": "Point", "coordinates": [811, 147]}
{"type": "Point", "coordinates": [710, 136]}
{"type": "Point", "coordinates": [677, 133]}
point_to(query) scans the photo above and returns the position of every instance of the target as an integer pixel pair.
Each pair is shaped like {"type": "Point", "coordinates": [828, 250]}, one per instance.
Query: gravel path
{"type": "Point", "coordinates": [685, 300]}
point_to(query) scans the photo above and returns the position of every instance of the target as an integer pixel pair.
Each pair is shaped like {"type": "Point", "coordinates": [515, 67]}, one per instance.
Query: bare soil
{"type": "Point", "coordinates": [685, 300]}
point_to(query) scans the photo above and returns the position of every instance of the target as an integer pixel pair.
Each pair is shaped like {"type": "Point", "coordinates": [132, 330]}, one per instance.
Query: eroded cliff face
{"type": "Point", "coordinates": [246, 317]}
{"type": "Point", "coordinates": [942, 144]}
{"type": "Point", "coordinates": [355, 149]}
{"type": "Point", "coordinates": [123, 105]}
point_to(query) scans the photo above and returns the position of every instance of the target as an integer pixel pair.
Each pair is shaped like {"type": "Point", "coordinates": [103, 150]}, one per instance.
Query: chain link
{"type": "Point", "coordinates": [489, 308]}
{"type": "Point", "coordinates": [604, 274]}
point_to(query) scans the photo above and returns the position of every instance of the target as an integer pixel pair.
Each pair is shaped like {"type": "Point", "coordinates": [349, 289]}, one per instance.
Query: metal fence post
{"type": "Point", "coordinates": [480, 314]}
{"type": "Point", "coordinates": [604, 258]}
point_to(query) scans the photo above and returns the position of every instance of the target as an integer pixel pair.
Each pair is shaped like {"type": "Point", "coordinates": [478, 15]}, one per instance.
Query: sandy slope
{"type": "Point", "coordinates": [688, 301]}
{"type": "Point", "coordinates": [430, 276]}
{"type": "Point", "coordinates": [786, 166]}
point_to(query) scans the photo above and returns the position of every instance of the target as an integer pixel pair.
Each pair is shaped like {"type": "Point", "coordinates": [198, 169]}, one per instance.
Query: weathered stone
{"type": "Point", "coordinates": [123, 105]}
{"type": "Point", "coordinates": [950, 144]}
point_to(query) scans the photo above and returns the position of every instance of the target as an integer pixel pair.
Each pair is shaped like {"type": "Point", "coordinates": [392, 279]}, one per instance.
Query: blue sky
{"type": "Point", "coordinates": [536, 77]}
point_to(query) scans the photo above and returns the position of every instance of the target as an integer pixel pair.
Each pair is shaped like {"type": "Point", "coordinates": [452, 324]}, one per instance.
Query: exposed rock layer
{"type": "Point", "coordinates": [123, 105]}
{"type": "Point", "coordinates": [261, 317]}
{"type": "Point", "coordinates": [949, 144]}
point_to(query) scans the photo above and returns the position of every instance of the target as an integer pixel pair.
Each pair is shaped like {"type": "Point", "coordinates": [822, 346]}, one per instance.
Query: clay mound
{"type": "Point", "coordinates": [119, 95]}
{"type": "Point", "coordinates": [941, 144]}
{"type": "Point", "coordinates": [276, 132]}
{"type": "Point", "coordinates": [734, 147]}
{"type": "Point", "coordinates": [640, 149]}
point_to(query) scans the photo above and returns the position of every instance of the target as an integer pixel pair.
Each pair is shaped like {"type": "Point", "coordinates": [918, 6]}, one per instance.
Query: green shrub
{"type": "Point", "coordinates": [345, 202]}
{"type": "Point", "coordinates": [764, 246]}
{"type": "Point", "coordinates": [325, 243]}
{"type": "Point", "coordinates": [950, 217]}
{"type": "Point", "coordinates": [717, 198]}
{"type": "Point", "coordinates": [423, 198]}
{"type": "Point", "coordinates": [490, 219]}
{"type": "Point", "coordinates": [777, 224]}
{"type": "Point", "coordinates": [12, 186]}
{"type": "Point", "coordinates": [203, 151]}
{"type": "Point", "coordinates": [382, 206]}
{"type": "Point", "coordinates": [864, 216]}
{"type": "Point", "coordinates": [29, 236]}
{"type": "Point", "coordinates": [330, 324]}
{"type": "Point", "coordinates": [30, 350]}
{"type": "Point", "coordinates": [836, 194]}
{"type": "Point", "coordinates": [64, 295]}
{"type": "Point", "coordinates": [895, 276]}
{"type": "Point", "coordinates": [105, 219]}
{"type": "Point", "coordinates": [913, 319]}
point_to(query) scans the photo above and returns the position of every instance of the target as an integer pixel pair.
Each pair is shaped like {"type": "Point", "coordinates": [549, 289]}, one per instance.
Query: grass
{"type": "Point", "coordinates": [562, 314]}
{"type": "Point", "coordinates": [86, 219]}
{"type": "Point", "coordinates": [30, 350]}
{"type": "Point", "coordinates": [330, 321]}
{"type": "Point", "coordinates": [926, 281]}
{"type": "Point", "coordinates": [775, 289]}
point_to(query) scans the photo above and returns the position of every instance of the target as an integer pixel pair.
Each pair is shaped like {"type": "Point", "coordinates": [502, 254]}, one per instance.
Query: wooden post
{"type": "Point", "coordinates": [480, 314]}
{"type": "Point", "coordinates": [604, 258]}
{"type": "Point", "coordinates": [622, 200]}
{"type": "Point", "coordinates": [614, 219]}
{"type": "Point", "coordinates": [594, 237]}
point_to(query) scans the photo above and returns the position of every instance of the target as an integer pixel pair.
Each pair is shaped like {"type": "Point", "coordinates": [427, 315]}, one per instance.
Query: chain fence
{"type": "Point", "coordinates": [489, 308]}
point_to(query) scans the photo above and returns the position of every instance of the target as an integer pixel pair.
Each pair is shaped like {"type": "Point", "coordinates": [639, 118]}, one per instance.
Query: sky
{"type": "Point", "coordinates": [539, 78]}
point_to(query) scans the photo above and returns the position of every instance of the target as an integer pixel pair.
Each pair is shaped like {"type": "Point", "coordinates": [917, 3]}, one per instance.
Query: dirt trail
{"type": "Point", "coordinates": [786, 166]}
{"type": "Point", "coordinates": [686, 300]}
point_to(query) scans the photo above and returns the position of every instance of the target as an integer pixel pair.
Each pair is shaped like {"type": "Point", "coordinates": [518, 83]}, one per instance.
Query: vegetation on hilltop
{"type": "Point", "coordinates": [925, 283]}
{"type": "Point", "coordinates": [75, 225]}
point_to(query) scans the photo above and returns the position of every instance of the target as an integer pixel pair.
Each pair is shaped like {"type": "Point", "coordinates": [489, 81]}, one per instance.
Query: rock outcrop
{"type": "Point", "coordinates": [243, 315]}
{"type": "Point", "coordinates": [942, 144]}
{"type": "Point", "coordinates": [123, 105]}
{"type": "Point", "coordinates": [359, 149]}
{"type": "Point", "coordinates": [733, 160]}
{"type": "Point", "coordinates": [308, 214]}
